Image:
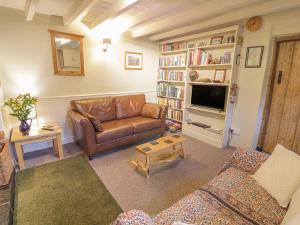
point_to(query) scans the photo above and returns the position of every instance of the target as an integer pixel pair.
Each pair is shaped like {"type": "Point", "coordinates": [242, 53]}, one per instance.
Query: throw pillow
{"type": "Point", "coordinates": [151, 110]}
{"type": "Point", "coordinates": [280, 175]}
{"type": "Point", "coordinates": [96, 123]}
{"type": "Point", "coordinates": [294, 209]}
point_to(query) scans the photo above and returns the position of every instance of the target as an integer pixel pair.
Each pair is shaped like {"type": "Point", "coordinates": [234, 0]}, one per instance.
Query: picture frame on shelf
{"type": "Point", "coordinates": [216, 40]}
{"type": "Point", "coordinates": [133, 61]}
{"type": "Point", "coordinates": [219, 76]}
{"type": "Point", "coordinates": [254, 56]}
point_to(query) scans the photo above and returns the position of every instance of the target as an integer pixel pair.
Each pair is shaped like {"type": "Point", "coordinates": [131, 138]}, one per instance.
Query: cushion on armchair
{"type": "Point", "coordinates": [151, 110]}
{"type": "Point", "coordinates": [96, 123]}
{"type": "Point", "coordinates": [280, 174]}
{"type": "Point", "coordinates": [246, 160]}
{"type": "Point", "coordinates": [133, 217]}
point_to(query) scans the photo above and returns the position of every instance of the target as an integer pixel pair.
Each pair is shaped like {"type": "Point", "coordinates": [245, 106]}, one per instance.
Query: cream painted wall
{"type": "Point", "coordinates": [26, 62]}
{"type": "Point", "coordinates": [253, 81]}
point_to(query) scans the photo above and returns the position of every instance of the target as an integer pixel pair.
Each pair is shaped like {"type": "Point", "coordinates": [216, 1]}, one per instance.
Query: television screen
{"type": "Point", "coordinates": [209, 96]}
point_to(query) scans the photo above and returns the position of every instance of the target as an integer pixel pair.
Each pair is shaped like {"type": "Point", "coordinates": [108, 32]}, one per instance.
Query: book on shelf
{"type": "Point", "coordinates": [198, 57]}
{"type": "Point", "coordinates": [172, 46]}
{"type": "Point", "coordinates": [176, 115]}
{"type": "Point", "coordinates": [162, 101]}
{"type": "Point", "coordinates": [173, 103]}
{"type": "Point", "coordinates": [174, 60]}
{"type": "Point", "coordinates": [171, 75]}
{"type": "Point", "coordinates": [167, 90]}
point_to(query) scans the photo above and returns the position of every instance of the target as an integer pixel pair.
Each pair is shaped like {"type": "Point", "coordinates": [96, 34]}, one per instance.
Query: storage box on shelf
{"type": "Point", "coordinates": [206, 54]}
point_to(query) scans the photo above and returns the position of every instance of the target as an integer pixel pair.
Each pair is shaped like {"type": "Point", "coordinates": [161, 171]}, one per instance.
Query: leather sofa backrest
{"type": "Point", "coordinates": [129, 106]}
{"type": "Point", "coordinates": [104, 108]}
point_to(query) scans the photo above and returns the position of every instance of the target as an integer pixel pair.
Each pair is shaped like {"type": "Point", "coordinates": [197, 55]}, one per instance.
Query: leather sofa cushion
{"type": "Point", "coordinates": [129, 106]}
{"type": "Point", "coordinates": [151, 110]}
{"type": "Point", "coordinates": [96, 123]}
{"type": "Point", "coordinates": [104, 109]}
{"type": "Point", "coordinates": [141, 124]}
{"type": "Point", "coordinates": [112, 130]}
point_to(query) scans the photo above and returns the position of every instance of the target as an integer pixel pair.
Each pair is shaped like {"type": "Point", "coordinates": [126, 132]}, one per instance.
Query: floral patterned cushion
{"type": "Point", "coordinates": [246, 160]}
{"type": "Point", "coordinates": [133, 217]}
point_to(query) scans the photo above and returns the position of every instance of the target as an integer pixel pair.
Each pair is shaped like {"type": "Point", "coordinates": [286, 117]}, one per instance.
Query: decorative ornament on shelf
{"type": "Point", "coordinates": [234, 92]}
{"type": "Point", "coordinates": [21, 107]}
{"type": "Point", "coordinates": [193, 75]}
{"type": "Point", "coordinates": [254, 23]}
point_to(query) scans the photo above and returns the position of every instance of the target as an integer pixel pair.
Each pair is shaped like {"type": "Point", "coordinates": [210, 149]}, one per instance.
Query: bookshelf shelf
{"type": "Point", "coordinates": [172, 81]}
{"type": "Point", "coordinates": [206, 110]}
{"type": "Point", "coordinates": [221, 46]}
{"type": "Point", "coordinates": [174, 51]}
{"type": "Point", "coordinates": [172, 108]}
{"type": "Point", "coordinates": [173, 67]}
{"type": "Point", "coordinates": [170, 97]}
{"type": "Point", "coordinates": [207, 83]}
{"type": "Point", "coordinates": [210, 66]}
{"type": "Point", "coordinates": [179, 121]}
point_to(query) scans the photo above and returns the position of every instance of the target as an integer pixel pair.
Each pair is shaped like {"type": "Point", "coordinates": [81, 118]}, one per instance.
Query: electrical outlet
{"type": "Point", "coordinates": [235, 131]}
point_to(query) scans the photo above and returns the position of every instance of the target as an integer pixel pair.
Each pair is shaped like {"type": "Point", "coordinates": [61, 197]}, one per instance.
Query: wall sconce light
{"type": "Point", "coordinates": [106, 44]}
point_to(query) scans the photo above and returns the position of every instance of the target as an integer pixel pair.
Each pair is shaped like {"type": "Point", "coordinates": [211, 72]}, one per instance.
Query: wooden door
{"type": "Point", "coordinates": [283, 125]}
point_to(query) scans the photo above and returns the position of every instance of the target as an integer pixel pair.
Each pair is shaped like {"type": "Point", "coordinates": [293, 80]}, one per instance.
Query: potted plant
{"type": "Point", "coordinates": [21, 107]}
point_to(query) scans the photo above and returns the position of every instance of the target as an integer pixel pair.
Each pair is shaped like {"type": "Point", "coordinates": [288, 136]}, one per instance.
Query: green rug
{"type": "Point", "coordinates": [66, 192]}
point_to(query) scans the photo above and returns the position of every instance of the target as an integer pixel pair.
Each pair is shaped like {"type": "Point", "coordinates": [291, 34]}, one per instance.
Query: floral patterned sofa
{"type": "Point", "coordinates": [232, 198]}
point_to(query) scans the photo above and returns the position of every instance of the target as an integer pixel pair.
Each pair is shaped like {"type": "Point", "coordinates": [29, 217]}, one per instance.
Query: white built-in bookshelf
{"type": "Point", "coordinates": [179, 57]}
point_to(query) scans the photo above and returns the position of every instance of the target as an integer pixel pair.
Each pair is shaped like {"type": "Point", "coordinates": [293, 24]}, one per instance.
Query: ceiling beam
{"type": "Point", "coordinates": [243, 13]}
{"type": "Point", "coordinates": [30, 9]}
{"type": "Point", "coordinates": [204, 11]}
{"type": "Point", "coordinates": [78, 10]}
{"type": "Point", "coordinates": [119, 7]}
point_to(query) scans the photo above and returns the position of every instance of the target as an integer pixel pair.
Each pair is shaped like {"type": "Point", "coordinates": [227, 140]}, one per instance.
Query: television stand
{"type": "Point", "coordinates": [203, 125]}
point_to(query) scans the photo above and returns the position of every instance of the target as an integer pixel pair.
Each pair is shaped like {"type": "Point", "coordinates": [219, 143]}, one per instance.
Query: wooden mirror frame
{"type": "Point", "coordinates": [76, 37]}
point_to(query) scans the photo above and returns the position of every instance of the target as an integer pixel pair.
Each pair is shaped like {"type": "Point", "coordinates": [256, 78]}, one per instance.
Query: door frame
{"type": "Point", "coordinates": [270, 85]}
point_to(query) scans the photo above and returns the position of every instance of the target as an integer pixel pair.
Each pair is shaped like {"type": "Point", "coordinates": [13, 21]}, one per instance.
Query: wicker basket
{"type": "Point", "coordinates": [6, 164]}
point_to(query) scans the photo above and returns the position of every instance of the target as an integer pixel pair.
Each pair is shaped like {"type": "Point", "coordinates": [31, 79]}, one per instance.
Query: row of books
{"type": "Point", "coordinates": [171, 75]}
{"type": "Point", "coordinates": [199, 57]}
{"type": "Point", "coordinates": [162, 101]}
{"type": "Point", "coordinates": [175, 103]}
{"type": "Point", "coordinates": [172, 46]}
{"type": "Point", "coordinates": [173, 114]}
{"type": "Point", "coordinates": [226, 58]}
{"type": "Point", "coordinates": [175, 60]}
{"type": "Point", "coordinates": [167, 90]}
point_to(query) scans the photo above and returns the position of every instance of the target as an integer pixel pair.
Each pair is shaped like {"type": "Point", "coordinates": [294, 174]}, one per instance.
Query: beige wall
{"type": "Point", "coordinates": [26, 62]}
{"type": "Point", "coordinates": [253, 81]}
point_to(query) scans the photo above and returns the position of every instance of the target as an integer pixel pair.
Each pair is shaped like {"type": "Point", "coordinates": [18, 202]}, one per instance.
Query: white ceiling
{"type": "Point", "coordinates": [156, 19]}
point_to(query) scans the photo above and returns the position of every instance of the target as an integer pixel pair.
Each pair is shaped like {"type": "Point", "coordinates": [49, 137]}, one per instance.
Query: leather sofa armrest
{"type": "Point", "coordinates": [162, 117]}
{"type": "Point", "coordinates": [84, 132]}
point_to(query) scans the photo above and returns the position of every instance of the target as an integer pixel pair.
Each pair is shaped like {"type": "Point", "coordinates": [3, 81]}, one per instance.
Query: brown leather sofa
{"type": "Point", "coordinates": [124, 120]}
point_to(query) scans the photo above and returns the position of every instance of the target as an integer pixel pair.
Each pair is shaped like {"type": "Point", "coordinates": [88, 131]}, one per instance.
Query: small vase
{"type": "Point", "coordinates": [24, 127]}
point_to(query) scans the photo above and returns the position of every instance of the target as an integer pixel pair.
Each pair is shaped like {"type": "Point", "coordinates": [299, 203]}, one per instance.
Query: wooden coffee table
{"type": "Point", "coordinates": [165, 149]}
{"type": "Point", "coordinates": [35, 136]}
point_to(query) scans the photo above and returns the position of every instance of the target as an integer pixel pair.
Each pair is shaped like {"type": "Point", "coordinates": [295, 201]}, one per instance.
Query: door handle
{"type": "Point", "coordinates": [279, 77]}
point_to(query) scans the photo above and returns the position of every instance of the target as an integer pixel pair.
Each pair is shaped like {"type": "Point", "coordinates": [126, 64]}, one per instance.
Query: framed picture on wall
{"type": "Point", "coordinates": [254, 56]}
{"type": "Point", "coordinates": [219, 76]}
{"type": "Point", "coordinates": [216, 40]}
{"type": "Point", "coordinates": [133, 61]}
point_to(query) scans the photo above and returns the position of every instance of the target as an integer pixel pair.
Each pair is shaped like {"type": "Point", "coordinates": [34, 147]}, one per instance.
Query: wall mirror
{"type": "Point", "coordinates": [67, 53]}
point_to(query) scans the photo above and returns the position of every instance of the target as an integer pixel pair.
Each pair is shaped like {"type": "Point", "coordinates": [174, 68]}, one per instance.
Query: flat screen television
{"type": "Point", "coordinates": [209, 96]}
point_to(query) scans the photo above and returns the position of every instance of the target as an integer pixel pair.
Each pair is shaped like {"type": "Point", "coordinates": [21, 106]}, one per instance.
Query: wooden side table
{"type": "Point", "coordinates": [35, 136]}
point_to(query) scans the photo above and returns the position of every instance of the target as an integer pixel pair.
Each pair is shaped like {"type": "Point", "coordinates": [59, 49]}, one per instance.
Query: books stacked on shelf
{"type": "Point", "coordinates": [174, 60]}
{"type": "Point", "coordinates": [175, 103]}
{"type": "Point", "coordinates": [167, 90]}
{"type": "Point", "coordinates": [172, 46]}
{"type": "Point", "coordinates": [173, 125]}
{"type": "Point", "coordinates": [226, 58]}
{"type": "Point", "coordinates": [198, 57]}
{"type": "Point", "coordinates": [171, 75]}
{"type": "Point", "coordinates": [162, 101]}
{"type": "Point", "coordinates": [176, 115]}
